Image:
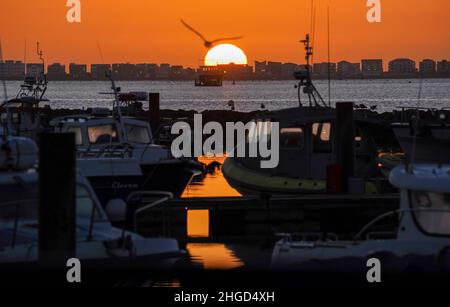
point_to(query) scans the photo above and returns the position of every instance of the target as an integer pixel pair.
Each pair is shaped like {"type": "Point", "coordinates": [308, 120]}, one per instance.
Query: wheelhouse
{"type": "Point", "coordinates": [308, 144]}
{"type": "Point", "coordinates": [90, 131]}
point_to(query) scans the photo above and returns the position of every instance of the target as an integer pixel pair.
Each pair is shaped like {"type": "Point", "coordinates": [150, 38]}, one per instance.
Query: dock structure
{"type": "Point", "coordinates": [254, 218]}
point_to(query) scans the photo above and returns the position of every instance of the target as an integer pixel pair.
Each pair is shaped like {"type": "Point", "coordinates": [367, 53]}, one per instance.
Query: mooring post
{"type": "Point", "coordinates": [57, 207]}
{"type": "Point", "coordinates": [345, 150]}
{"type": "Point", "coordinates": [154, 109]}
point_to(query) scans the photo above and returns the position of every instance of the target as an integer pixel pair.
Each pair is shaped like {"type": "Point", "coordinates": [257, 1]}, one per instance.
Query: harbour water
{"type": "Point", "coordinates": [210, 255]}
{"type": "Point", "coordinates": [249, 95]}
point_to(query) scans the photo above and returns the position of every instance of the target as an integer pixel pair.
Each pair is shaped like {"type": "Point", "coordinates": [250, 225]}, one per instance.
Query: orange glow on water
{"type": "Point", "coordinates": [198, 223]}
{"type": "Point", "coordinates": [214, 256]}
{"type": "Point", "coordinates": [213, 185]}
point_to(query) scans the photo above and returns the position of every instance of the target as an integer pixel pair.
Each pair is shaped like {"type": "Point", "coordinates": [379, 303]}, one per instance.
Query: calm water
{"type": "Point", "coordinates": [248, 95]}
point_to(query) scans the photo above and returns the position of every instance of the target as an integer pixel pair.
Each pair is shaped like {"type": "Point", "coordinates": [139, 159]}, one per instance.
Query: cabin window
{"type": "Point", "coordinates": [78, 135]}
{"type": "Point", "coordinates": [292, 138]}
{"type": "Point", "coordinates": [137, 134]}
{"type": "Point", "coordinates": [432, 212]}
{"type": "Point", "coordinates": [321, 133]}
{"type": "Point", "coordinates": [85, 203]}
{"type": "Point", "coordinates": [103, 134]}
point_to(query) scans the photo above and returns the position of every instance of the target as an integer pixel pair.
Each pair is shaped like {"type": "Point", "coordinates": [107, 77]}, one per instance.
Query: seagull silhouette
{"type": "Point", "coordinates": [209, 44]}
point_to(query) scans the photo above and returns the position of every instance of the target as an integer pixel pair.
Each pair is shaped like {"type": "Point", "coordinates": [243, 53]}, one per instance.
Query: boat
{"type": "Point", "coordinates": [209, 76]}
{"type": "Point", "coordinates": [99, 245]}
{"type": "Point", "coordinates": [426, 139]}
{"type": "Point", "coordinates": [116, 153]}
{"type": "Point", "coordinates": [311, 149]}
{"type": "Point", "coordinates": [23, 111]}
{"type": "Point", "coordinates": [419, 245]}
{"type": "Point", "coordinates": [120, 156]}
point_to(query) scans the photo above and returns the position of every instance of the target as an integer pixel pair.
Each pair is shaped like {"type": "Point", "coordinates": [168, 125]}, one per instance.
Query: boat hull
{"type": "Point", "coordinates": [250, 182]}
{"type": "Point", "coordinates": [169, 177]}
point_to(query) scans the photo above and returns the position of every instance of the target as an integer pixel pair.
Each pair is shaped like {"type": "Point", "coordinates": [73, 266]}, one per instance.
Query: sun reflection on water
{"type": "Point", "coordinates": [212, 184]}
{"type": "Point", "coordinates": [215, 256]}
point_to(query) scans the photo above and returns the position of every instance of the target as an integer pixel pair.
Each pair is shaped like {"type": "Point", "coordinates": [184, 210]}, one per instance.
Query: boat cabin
{"type": "Point", "coordinates": [100, 131]}
{"type": "Point", "coordinates": [308, 144]}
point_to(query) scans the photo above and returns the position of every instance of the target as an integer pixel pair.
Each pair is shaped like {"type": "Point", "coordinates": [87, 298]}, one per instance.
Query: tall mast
{"type": "Point", "coordinates": [305, 84]}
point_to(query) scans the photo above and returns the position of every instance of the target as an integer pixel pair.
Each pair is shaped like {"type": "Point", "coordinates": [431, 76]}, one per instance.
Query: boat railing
{"type": "Point", "coordinates": [434, 111]}
{"type": "Point", "coordinates": [400, 212]}
{"type": "Point", "coordinates": [149, 199]}
{"type": "Point", "coordinates": [308, 236]}
{"type": "Point", "coordinates": [110, 151]}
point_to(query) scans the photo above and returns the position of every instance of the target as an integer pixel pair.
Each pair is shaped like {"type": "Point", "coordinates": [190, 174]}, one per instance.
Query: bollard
{"type": "Point", "coordinates": [345, 139]}
{"type": "Point", "coordinates": [57, 200]}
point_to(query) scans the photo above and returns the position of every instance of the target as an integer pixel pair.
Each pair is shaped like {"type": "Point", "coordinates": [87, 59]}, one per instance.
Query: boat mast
{"type": "Point", "coordinates": [305, 81]}
{"type": "Point", "coordinates": [42, 80]}
{"type": "Point", "coordinates": [116, 103]}
{"type": "Point", "coordinates": [7, 124]}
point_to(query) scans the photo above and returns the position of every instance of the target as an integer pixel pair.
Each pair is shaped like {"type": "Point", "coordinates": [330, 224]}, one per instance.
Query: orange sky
{"type": "Point", "coordinates": [149, 30]}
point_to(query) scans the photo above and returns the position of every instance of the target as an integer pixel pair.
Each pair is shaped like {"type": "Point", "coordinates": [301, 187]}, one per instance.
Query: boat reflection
{"type": "Point", "coordinates": [212, 256]}
{"type": "Point", "coordinates": [212, 184]}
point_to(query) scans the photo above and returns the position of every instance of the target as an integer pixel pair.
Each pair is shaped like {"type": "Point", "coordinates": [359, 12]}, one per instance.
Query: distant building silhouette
{"type": "Point", "coordinates": [176, 72]}
{"type": "Point", "coordinates": [274, 70]}
{"type": "Point", "coordinates": [402, 68]}
{"type": "Point", "coordinates": [261, 69]}
{"type": "Point", "coordinates": [348, 70]}
{"type": "Point", "coordinates": [443, 68]}
{"type": "Point", "coordinates": [372, 68]}
{"type": "Point", "coordinates": [100, 71]}
{"type": "Point", "coordinates": [321, 70]}
{"type": "Point", "coordinates": [288, 69]}
{"type": "Point", "coordinates": [236, 71]}
{"type": "Point", "coordinates": [164, 71]}
{"type": "Point", "coordinates": [427, 68]}
{"type": "Point", "coordinates": [56, 71]}
{"type": "Point", "coordinates": [78, 71]}
{"type": "Point", "coordinates": [14, 70]}
{"type": "Point", "coordinates": [124, 71]}
{"type": "Point", "coordinates": [34, 70]}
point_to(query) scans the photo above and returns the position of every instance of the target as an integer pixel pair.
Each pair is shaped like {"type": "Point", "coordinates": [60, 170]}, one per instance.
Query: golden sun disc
{"type": "Point", "coordinates": [225, 54]}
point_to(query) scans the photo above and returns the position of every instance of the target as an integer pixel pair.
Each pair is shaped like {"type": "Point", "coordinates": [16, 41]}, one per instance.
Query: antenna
{"type": "Point", "coordinates": [305, 82]}
{"type": "Point", "coordinates": [25, 52]}
{"type": "Point", "coordinates": [313, 29]}
{"type": "Point", "coordinates": [41, 57]}
{"type": "Point", "coordinates": [329, 57]}
{"type": "Point", "coordinates": [116, 103]}
{"type": "Point", "coordinates": [5, 93]}
{"type": "Point", "coordinates": [410, 169]}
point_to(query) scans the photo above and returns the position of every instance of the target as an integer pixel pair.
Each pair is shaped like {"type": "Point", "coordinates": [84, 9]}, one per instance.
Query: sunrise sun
{"type": "Point", "coordinates": [225, 54]}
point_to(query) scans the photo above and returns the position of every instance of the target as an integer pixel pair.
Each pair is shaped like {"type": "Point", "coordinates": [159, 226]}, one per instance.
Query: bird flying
{"type": "Point", "coordinates": [209, 44]}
